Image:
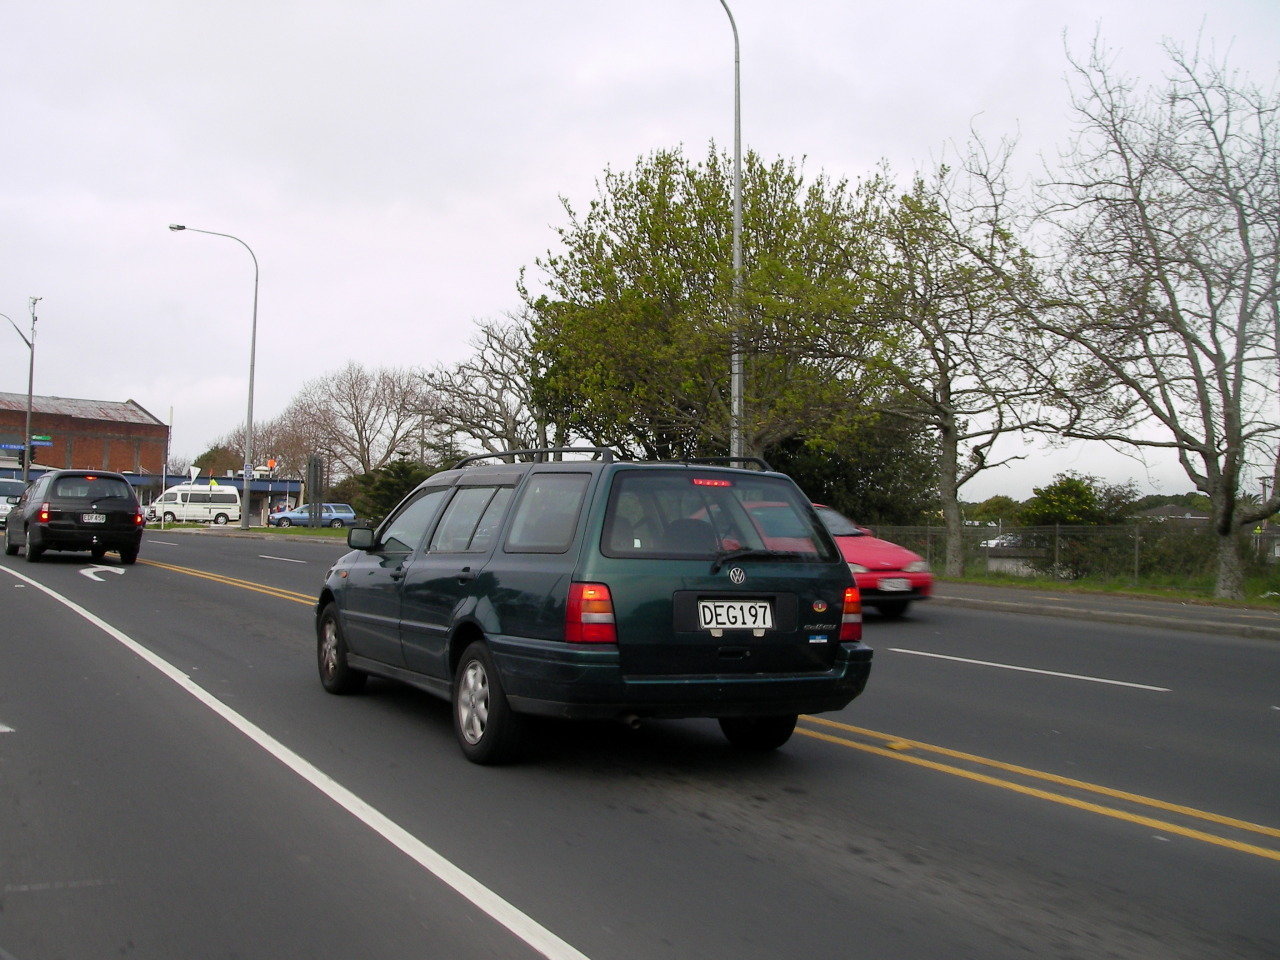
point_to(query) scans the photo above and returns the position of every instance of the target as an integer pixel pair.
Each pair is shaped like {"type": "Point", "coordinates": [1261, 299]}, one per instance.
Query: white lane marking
{"type": "Point", "coordinates": [1047, 673]}
{"type": "Point", "coordinates": [167, 543]}
{"type": "Point", "coordinates": [5, 729]}
{"type": "Point", "coordinates": [263, 556]}
{"type": "Point", "coordinates": [519, 923]}
{"type": "Point", "coordinates": [92, 572]}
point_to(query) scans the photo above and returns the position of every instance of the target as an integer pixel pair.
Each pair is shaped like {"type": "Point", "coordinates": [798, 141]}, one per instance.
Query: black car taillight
{"type": "Point", "coordinates": [43, 515]}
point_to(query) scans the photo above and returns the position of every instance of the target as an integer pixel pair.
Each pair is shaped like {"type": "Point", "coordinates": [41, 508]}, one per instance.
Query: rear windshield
{"type": "Point", "coordinates": [91, 488]}
{"type": "Point", "coordinates": [695, 514]}
{"type": "Point", "coordinates": [11, 488]}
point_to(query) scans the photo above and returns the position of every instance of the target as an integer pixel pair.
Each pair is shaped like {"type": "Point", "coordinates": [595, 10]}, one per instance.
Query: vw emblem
{"type": "Point", "coordinates": [737, 575]}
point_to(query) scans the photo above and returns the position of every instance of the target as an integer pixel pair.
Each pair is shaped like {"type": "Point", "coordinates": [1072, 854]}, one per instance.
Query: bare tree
{"type": "Point", "coordinates": [953, 284]}
{"type": "Point", "coordinates": [360, 419]}
{"type": "Point", "coordinates": [1168, 212]}
{"type": "Point", "coordinates": [491, 397]}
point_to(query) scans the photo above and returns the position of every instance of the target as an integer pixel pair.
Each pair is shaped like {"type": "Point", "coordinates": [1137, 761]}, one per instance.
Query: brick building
{"type": "Point", "coordinates": [86, 434]}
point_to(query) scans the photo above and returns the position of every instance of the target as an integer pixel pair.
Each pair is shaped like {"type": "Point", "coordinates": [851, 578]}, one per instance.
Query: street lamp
{"type": "Point", "coordinates": [253, 350]}
{"type": "Point", "coordinates": [737, 413]}
{"type": "Point", "coordinates": [31, 376]}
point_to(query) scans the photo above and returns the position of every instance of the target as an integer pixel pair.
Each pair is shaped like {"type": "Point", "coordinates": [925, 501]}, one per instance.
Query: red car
{"type": "Point", "coordinates": [889, 577]}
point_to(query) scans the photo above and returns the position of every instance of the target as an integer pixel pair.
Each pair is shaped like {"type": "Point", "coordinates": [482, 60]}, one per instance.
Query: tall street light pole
{"type": "Point", "coordinates": [31, 378]}
{"type": "Point", "coordinates": [737, 411]}
{"type": "Point", "coordinates": [253, 352]}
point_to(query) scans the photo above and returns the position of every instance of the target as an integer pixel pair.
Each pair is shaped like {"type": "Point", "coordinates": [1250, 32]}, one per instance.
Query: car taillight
{"type": "Point", "coordinates": [139, 519]}
{"type": "Point", "coordinates": [588, 616]}
{"type": "Point", "coordinates": [851, 618]}
{"type": "Point", "coordinates": [43, 515]}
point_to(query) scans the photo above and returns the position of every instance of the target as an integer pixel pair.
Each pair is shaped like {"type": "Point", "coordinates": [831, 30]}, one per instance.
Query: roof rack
{"type": "Point", "coordinates": [539, 456]}
{"type": "Point", "coordinates": [730, 461]}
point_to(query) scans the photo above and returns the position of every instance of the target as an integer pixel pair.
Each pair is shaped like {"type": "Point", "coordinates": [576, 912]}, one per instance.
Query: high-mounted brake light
{"type": "Point", "coordinates": [43, 515]}
{"type": "Point", "coordinates": [588, 615]}
{"type": "Point", "coordinates": [704, 482]}
{"type": "Point", "coordinates": [851, 617]}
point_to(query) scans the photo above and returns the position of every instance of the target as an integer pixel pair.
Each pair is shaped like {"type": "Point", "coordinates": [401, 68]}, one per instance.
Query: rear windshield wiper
{"type": "Point", "coordinates": [750, 553]}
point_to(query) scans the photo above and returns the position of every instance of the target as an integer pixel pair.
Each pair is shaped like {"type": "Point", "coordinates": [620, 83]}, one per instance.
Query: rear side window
{"type": "Point", "coordinates": [222, 498]}
{"type": "Point", "coordinates": [471, 521]}
{"type": "Point", "coordinates": [547, 517]}
{"type": "Point", "coordinates": [690, 514]}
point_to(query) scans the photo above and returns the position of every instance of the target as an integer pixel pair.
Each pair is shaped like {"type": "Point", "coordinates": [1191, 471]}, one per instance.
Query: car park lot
{"type": "Point", "coordinates": [240, 783]}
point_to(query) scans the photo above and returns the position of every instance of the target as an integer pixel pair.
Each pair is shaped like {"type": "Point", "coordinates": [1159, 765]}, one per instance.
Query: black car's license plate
{"type": "Point", "coordinates": [93, 518]}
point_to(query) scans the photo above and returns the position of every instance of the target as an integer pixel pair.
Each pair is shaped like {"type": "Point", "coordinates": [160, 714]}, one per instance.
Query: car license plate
{"type": "Point", "coordinates": [895, 584]}
{"type": "Point", "coordinates": [735, 615]}
{"type": "Point", "coordinates": [93, 517]}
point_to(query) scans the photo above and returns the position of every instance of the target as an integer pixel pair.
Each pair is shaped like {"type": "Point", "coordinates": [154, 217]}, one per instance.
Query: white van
{"type": "Point", "coordinates": [201, 503]}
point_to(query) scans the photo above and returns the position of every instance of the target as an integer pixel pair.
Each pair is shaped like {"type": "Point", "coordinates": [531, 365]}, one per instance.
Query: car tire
{"type": "Point", "coordinates": [220, 519]}
{"type": "Point", "coordinates": [488, 730]}
{"type": "Point", "coordinates": [128, 555]}
{"type": "Point", "coordinates": [336, 675]}
{"type": "Point", "coordinates": [169, 518]}
{"type": "Point", "coordinates": [759, 734]}
{"type": "Point", "coordinates": [10, 549]}
{"type": "Point", "coordinates": [335, 523]}
{"type": "Point", "coordinates": [34, 553]}
{"type": "Point", "coordinates": [893, 609]}
{"type": "Point", "coordinates": [284, 522]}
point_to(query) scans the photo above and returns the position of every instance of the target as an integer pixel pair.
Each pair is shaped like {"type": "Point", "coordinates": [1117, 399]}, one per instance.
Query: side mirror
{"type": "Point", "coordinates": [12, 500]}
{"type": "Point", "coordinates": [360, 538]}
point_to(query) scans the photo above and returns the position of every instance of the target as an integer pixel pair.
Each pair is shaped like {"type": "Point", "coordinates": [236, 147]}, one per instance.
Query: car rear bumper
{"type": "Point", "coordinates": [55, 538]}
{"type": "Point", "coordinates": [876, 587]}
{"type": "Point", "coordinates": [578, 681]}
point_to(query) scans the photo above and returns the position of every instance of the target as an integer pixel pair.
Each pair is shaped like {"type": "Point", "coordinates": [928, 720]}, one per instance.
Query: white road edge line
{"type": "Point", "coordinates": [1047, 673]}
{"type": "Point", "coordinates": [519, 923]}
{"type": "Point", "coordinates": [263, 556]}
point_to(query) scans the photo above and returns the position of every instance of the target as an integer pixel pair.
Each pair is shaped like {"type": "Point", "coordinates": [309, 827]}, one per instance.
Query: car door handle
{"type": "Point", "coordinates": [465, 574]}
{"type": "Point", "coordinates": [398, 573]}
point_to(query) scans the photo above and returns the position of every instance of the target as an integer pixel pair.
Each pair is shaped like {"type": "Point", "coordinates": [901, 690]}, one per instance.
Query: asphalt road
{"type": "Point", "coordinates": [174, 783]}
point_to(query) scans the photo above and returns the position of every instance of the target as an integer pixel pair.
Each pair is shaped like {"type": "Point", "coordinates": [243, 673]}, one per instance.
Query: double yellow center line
{"type": "Point", "coordinates": [908, 751]}
{"type": "Point", "coordinates": [279, 592]}
{"type": "Point", "coordinates": [1128, 807]}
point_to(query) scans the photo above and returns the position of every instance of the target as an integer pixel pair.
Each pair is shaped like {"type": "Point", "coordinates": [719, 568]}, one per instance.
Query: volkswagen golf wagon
{"type": "Point", "coordinates": [598, 588]}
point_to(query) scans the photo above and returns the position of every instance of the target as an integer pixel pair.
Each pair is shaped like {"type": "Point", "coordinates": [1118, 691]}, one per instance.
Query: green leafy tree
{"type": "Point", "coordinates": [996, 509]}
{"type": "Point", "coordinates": [1075, 500]}
{"type": "Point", "coordinates": [387, 486]}
{"type": "Point", "coordinates": [218, 459]}
{"type": "Point", "coordinates": [882, 471]}
{"type": "Point", "coordinates": [634, 329]}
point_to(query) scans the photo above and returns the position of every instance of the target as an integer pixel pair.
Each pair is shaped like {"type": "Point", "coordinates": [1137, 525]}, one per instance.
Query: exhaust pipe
{"type": "Point", "coordinates": [630, 721]}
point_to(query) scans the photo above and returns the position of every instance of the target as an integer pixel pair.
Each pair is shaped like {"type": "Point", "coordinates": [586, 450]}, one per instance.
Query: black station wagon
{"type": "Point", "coordinates": [599, 588]}
{"type": "Point", "coordinates": [90, 510]}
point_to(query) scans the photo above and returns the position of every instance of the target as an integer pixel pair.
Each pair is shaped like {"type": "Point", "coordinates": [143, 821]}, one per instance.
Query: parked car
{"type": "Point", "coordinates": [889, 577]}
{"type": "Point", "coordinates": [331, 515]}
{"type": "Point", "coordinates": [597, 589]}
{"type": "Point", "coordinates": [10, 490]}
{"type": "Point", "coordinates": [89, 510]}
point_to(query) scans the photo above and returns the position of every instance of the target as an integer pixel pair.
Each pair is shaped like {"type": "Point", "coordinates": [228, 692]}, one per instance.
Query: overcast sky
{"type": "Point", "coordinates": [394, 164]}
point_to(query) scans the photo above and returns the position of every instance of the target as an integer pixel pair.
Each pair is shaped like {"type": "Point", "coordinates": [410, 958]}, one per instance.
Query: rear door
{"type": "Point", "coordinates": [700, 587]}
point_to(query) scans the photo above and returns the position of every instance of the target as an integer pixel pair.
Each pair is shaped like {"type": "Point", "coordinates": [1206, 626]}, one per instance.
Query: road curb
{"type": "Point", "coordinates": [1114, 616]}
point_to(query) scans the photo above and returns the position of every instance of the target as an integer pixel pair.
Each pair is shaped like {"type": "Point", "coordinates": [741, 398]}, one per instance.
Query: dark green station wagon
{"type": "Point", "coordinates": [599, 588]}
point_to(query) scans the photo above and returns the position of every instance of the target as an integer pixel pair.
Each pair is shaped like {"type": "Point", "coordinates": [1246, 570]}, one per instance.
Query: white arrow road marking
{"type": "Point", "coordinates": [92, 572]}
{"type": "Point", "coordinates": [4, 729]}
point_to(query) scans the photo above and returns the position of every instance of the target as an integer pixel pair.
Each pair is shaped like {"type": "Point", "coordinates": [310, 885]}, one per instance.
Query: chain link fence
{"type": "Point", "coordinates": [1139, 555]}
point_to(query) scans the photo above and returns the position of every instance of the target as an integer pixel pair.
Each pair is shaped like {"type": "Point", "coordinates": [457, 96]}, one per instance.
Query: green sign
{"type": "Point", "coordinates": [41, 436]}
